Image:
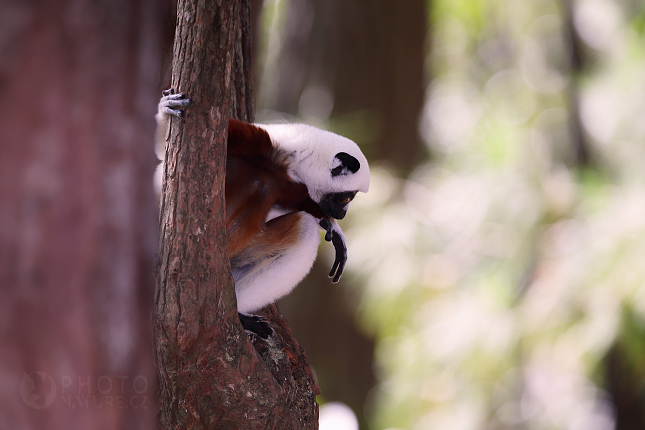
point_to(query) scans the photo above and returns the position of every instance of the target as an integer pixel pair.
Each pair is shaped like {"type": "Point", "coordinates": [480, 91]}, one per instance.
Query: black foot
{"type": "Point", "coordinates": [255, 324]}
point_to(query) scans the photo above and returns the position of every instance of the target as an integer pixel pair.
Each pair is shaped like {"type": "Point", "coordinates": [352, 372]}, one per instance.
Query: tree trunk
{"type": "Point", "coordinates": [578, 62]}
{"type": "Point", "coordinates": [211, 375]}
{"type": "Point", "coordinates": [77, 213]}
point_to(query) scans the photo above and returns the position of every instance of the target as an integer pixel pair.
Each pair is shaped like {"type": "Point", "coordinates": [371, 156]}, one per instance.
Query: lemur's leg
{"type": "Point", "coordinates": [255, 324]}
{"type": "Point", "coordinates": [275, 260]}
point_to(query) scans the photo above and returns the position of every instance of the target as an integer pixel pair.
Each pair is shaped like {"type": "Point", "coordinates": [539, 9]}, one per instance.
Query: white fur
{"type": "Point", "coordinates": [313, 153]}
{"type": "Point", "coordinates": [271, 279]}
{"type": "Point", "coordinates": [275, 212]}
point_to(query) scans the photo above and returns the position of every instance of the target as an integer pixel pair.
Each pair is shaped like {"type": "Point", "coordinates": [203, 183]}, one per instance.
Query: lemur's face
{"type": "Point", "coordinates": [335, 205]}
{"type": "Point", "coordinates": [331, 166]}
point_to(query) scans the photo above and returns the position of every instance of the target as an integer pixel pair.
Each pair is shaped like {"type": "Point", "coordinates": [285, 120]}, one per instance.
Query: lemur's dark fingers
{"type": "Point", "coordinates": [339, 273]}
{"type": "Point", "coordinates": [255, 324]}
{"type": "Point", "coordinates": [168, 92]}
{"type": "Point", "coordinates": [341, 258]}
{"type": "Point", "coordinates": [334, 266]}
{"type": "Point", "coordinates": [337, 270]}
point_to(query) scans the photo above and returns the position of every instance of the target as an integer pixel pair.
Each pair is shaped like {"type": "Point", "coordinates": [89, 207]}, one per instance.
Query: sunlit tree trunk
{"type": "Point", "coordinates": [623, 376]}
{"type": "Point", "coordinates": [211, 375]}
{"type": "Point", "coordinates": [77, 213]}
{"type": "Point", "coordinates": [581, 150]}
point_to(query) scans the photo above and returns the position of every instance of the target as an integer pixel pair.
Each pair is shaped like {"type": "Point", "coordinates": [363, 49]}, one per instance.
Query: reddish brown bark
{"type": "Point", "coordinates": [77, 213]}
{"type": "Point", "coordinates": [211, 375]}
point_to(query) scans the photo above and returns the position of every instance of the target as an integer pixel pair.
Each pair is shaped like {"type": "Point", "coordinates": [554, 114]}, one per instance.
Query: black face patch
{"type": "Point", "coordinates": [348, 164]}
{"type": "Point", "coordinates": [335, 204]}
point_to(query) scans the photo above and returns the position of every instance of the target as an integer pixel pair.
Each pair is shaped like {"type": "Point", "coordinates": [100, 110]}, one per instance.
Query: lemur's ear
{"type": "Point", "coordinates": [347, 164]}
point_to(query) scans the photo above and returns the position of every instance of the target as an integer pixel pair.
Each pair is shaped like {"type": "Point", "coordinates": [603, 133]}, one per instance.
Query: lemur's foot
{"type": "Point", "coordinates": [170, 102]}
{"type": "Point", "coordinates": [255, 324]}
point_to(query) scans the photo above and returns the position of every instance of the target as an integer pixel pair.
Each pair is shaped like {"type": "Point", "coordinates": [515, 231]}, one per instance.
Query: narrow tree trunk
{"type": "Point", "coordinates": [211, 375]}
{"type": "Point", "coordinates": [581, 151]}
{"type": "Point", "coordinates": [77, 213]}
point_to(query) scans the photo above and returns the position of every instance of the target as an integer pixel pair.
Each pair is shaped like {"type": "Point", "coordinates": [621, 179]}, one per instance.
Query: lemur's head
{"type": "Point", "coordinates": [331, 166]}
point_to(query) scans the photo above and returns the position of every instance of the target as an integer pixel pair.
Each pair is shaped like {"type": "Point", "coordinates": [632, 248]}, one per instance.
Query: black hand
{"type": "Point", "coordinates": [341, 250]}
{"type": "Point", "coordinates": [341, 258]}
{"type": "Point", "coordinates": [326, 225]}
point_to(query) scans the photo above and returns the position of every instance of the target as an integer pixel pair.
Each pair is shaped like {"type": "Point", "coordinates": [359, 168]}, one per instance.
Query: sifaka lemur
{"type": "Point", "coordinates": [283, 183]}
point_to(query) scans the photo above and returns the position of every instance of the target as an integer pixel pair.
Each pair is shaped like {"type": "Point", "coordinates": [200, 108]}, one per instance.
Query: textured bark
{"type": "Point", "coordinates": [77, 213]}
{"type": "Point", "coordinates": [324, 320]}
{"type": "Point", "coordinates": [211, 374]}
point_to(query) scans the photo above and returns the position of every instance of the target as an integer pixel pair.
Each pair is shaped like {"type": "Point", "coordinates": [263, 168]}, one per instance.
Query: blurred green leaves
{"type": "Point", "coordinates": [505, 280]}
{"type": "Point", "coordinates": [500, 276]}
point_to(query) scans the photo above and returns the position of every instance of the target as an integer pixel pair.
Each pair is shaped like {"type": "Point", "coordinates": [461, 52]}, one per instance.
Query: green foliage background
{"type": "Point", "coordinates": [500, 274]}
{"type": "Point", "coordinates": [504, 274]}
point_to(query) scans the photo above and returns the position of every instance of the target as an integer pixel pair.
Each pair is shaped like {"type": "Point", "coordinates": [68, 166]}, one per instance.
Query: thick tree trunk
{"type": "Point", "coordinates": [211, 375]}
{"type": "Point", "coordinates": [77, 213]}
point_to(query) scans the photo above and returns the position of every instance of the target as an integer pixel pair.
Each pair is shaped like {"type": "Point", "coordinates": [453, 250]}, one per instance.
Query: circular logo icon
{"type": "Point", "coordinates": [37, 389]}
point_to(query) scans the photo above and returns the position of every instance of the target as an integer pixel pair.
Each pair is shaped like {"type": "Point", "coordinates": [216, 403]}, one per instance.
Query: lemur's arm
{"type": "Point", "coordinates": [168, 106]}
{"type": "Point", "coordinates": [335, 235]}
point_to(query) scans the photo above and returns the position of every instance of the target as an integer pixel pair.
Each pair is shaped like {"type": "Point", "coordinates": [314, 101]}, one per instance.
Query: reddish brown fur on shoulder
{"type": "Point", "coordinates": [245, 139]}
{"type": "Point", "coordinates": [257, 180]}
{"type": "Point", "coordinates": [278, 234]}
{"type": "Point", "coordinates": [253, 180]}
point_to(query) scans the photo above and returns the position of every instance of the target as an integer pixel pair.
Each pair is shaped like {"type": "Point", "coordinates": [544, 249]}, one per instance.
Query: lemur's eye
{"type": "Point", "coordinates": [347, 200]}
